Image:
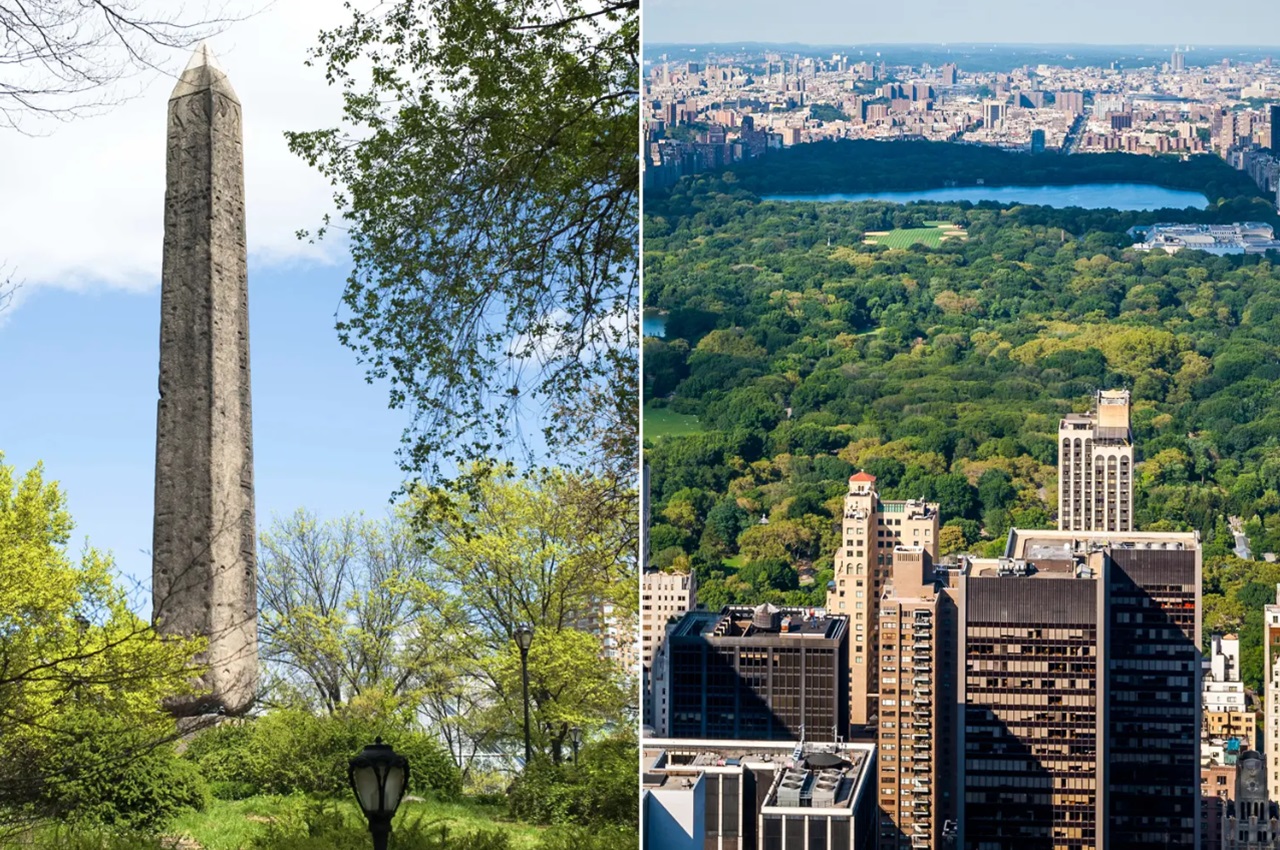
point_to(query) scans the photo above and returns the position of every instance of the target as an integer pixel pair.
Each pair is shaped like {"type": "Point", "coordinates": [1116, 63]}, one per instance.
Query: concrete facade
{"type": "Point", "coordinates": [871, 530]}
{"type": "Point", "coordinates": [204, 544]}
{"type": "Point", "coordinates": [1095, 466]}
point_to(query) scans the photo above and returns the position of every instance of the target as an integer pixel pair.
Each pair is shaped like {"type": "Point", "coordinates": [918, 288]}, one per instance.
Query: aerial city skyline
{"type": "Point", "coordinates": [1014, 648]}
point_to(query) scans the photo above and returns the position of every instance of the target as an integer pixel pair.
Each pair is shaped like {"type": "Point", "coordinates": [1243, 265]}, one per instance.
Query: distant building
{"type": "Point", "coordinates": [1070, 101]}
{"type": "Point", "coordinates": [871, 530]}
{"type": "Point", "coordinates": [1037, 140]}
{"type": "Point", "coordinates": [1178, 62]}
{"type": "Point", "coordinates": [759, 673]}
{"type": "Point", "coordinates": [1095, 466]}
{"type": "Point", "coordinates": [1273, 114]}
{"type": "Point", "coordinates": [1248, 237]}
{"type": "Point", "coordinates": [1271, 670]}
{"type": "Point", "coordinates": [949, 73]}
{"type": "Point", "coordinates": [1079, 681]}
{"type": "Point", "coordinates": [757, 795]}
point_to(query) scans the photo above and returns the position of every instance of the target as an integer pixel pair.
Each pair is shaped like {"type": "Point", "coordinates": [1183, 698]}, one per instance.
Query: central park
{"type": "Point", "coordinates": [450, 663]}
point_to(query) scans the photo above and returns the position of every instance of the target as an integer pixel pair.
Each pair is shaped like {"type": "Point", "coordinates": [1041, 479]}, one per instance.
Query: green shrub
{"type": "Point", "coordinates": [292, 751]}
{"type": "Point", "coordinates": [107, 772]}
{"type": "Point", "coordinates": [314, 825]}
{"type": "Point", "coordinates": [600, 791]}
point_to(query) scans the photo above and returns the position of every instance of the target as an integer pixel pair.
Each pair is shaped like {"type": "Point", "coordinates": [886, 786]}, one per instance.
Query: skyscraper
{"type": "Point", "coordinates": [1178, 62]}
{"type": "Point", "coordinates": [664, 599]}
{"type": "Point", "coordinates": [1095, 466]}
{"type": "Point", "coordinates": [1271, 670]}
{"type": "Point", "coordinates": [1273, 115]}
{"type": "Point", "coordinates": [759, 673]}
{"type": "Point", "coordinates": [871, 530]}
{"type": "Point", "coordinates": [918, 708]}
{"type": "Point", "coordinates": [1079, 681]}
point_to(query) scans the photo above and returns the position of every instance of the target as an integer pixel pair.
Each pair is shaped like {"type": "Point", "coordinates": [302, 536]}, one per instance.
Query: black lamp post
{"type": "Point", "coordinates": [378, 777]}
{"type": "Point", "coordinates": [575, 738]}
{"type": "Point", "coordinates": [524, 639]}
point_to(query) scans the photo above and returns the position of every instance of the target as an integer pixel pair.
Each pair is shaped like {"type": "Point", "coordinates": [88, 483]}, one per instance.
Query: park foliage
{"type": "Point", "coordinates": [806, 354]}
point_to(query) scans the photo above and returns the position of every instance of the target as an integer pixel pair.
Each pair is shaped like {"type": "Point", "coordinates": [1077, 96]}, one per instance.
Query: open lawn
{"type": "Point", "coordinates": [233, 825]}
{"type": "Point", "coordinates": [664, 422]}
{"type": "Point", "coordinates": [930, 236]}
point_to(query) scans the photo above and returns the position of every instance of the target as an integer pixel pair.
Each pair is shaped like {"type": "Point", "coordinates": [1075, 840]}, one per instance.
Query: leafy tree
{"type": "Point", "coordinates": [487, 177]}
{"type": "Point", "coordinates": [71, 648]}
{"type": "Point", "coordinates": [337, 600]}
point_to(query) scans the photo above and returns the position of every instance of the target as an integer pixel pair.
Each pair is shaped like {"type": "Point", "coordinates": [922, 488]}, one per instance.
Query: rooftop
{"type": "Point", "coordinates": [742, 621]}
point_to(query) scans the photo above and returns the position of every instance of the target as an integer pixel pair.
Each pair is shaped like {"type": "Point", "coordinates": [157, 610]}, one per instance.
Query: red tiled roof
{"type": "Point", "coordinates": [862, 476]}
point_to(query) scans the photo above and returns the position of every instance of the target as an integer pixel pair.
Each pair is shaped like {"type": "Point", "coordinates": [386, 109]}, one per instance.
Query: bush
{"type": "Point", "coordinates": [108, 772]}
{"type": "Point", "coordinates": [313, 825]}
{"type": "Point", "coordinates": [600, 791]}
{"type": "Point", "coordinates": [293, 751]}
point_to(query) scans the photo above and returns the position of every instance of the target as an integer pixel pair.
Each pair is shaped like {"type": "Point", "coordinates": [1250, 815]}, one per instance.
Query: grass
{"type": "Point", "coordinates": [733, 564]}
{"type": "Point", "coordinates": [930, 236]}
{"type": "Point", "coordinates": [234, 825]}
{"type": "Point", "coordinates": [665, 422]}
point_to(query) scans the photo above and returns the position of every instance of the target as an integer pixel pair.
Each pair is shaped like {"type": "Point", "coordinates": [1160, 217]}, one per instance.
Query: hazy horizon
{"type": "Point", "coordinates": [940, 22]}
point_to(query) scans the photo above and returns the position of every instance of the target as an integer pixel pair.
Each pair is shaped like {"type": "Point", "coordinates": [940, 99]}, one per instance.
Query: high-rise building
{"type": "Point", "coordinates": [1178, 62]}
{"type": "Point", "coordinates": [664, 599]}
{"type": "Point", "coordinates": [1070, 101]}
{"type": "Point", "coordinates": [1079, 681]}
{"type": "Point", "coordinates": [1095, 466]}
{"type": "Point", "coordinates": [1273, 115]}
{"type": "Point", "coordinates": [1037, 140]}
{"type": "Point", "coordinates": [949, 71]}
{"type": "Point", "coordinates": [918, 708]}
{"type": "Point", "coordinates": [759, 673]}
{"type": "Point", "coordinates": [871, 530]}
{"type": "Point", "coordinates": [1271, 670]}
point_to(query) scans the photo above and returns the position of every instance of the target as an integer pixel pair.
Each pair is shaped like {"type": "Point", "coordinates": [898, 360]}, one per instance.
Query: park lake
{"type": "Point", "coordinates": [1119, 196]}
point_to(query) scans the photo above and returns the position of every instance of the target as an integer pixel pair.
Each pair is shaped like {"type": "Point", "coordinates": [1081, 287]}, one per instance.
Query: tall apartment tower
{"type": "Point", "coordinates": [664, 599]}
{"type": "Point", "coordinates": [1095, 466]}
{"type": "Point", "coordinates": [1271, 669]}
{"type": "Point", "coordinates": [871, 530]}
{"type": "Point", "coordinates": [1079, 677]}
{"type": "Point", "coordinates": [918, 709]}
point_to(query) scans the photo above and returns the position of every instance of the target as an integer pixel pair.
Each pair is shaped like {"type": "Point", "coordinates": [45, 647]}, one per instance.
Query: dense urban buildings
{"type": "Point", "coordinates": [760, 673]}
{"type": "Point", "coordinates": [1252, 821]}
{"type": "Point", "coordinates": [1224, 703]}
{"type": "Point", "coordinates": [1095, 466]}
{"type": "Point", "coordinates": [1248, 237]}
{"type": "Point", "coordinates": [757, 795]}
{"type": "Point", "coordinates": [871, 530]}
{"type": "Point", "coordinates": [746, 103]}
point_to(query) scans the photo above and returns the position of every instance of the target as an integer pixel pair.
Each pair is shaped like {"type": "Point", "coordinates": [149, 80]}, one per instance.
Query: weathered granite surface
{"type": "Point", "coordinates": [203, 569]}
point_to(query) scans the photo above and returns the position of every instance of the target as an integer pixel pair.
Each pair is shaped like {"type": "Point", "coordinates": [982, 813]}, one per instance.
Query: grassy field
{"type": "Point", "coordinates": [930, 236]}
{"type": "Point", "coordinates": [664, 422]}
{"type": "Point", "coordinates": [227, 825]}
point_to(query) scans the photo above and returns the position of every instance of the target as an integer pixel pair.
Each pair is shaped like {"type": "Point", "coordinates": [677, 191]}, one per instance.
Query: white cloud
{"type": "Point", "coordinates": [82, 206]}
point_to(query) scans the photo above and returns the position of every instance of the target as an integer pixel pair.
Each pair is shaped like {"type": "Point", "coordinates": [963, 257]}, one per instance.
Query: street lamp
{"type": "Point", "coordinates": [524, 639]}
{"type": "Point", "coordinates": [575, 737]}
{"type": "Point", "coordinates": [378, 777]}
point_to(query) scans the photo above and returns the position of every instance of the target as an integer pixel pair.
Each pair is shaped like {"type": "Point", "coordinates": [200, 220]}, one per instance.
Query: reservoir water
{"type": "Point", "coordinates": [653, 323]}
{"type": "Point", "coordinates": [1094, 196]}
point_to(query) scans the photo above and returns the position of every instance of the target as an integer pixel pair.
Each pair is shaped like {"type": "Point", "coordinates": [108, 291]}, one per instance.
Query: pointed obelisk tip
{"type": "Point", "coordinates": [203, 72]}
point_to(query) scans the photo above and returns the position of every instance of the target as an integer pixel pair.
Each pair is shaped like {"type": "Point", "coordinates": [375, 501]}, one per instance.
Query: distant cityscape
{"type": "Point", "coordinates": [1054, 696]}
{"type": "Point", "coordinates": [739, 104]}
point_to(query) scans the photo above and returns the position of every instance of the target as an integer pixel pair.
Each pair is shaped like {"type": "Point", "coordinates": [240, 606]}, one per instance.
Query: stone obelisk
{"type": "Point", "coordinates": [203, 569]}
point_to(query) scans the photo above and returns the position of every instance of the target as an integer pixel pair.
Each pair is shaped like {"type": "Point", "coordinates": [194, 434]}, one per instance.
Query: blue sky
{"type": "Point", "coordinates": [933, 21]}
{"type": "Point", "coordinates": [79, 394]}
{"type": "Point", "coordinates": [81, 225]}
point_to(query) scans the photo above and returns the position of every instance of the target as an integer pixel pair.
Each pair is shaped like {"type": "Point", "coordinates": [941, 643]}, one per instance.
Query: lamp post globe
{"type": "Point", "coordinates": [575, 737]}
{"type": "Point", "coordinates": [524, 640]}
{"type": "Point", "coordinates": [379, 777]}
